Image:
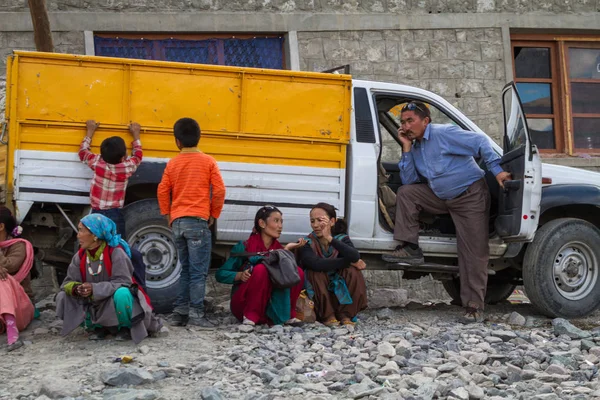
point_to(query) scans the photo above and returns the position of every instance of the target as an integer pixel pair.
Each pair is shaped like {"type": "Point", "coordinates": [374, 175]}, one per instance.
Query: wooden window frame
{"type": "Point", "coordinates": [554, 81]}
{"type": "Point", "coordinates": [569, 81]}
{"type": "Point", "coordinates": [563, 43]}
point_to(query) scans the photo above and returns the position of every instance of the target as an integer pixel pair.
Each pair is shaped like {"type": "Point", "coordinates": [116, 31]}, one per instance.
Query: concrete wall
{"type": "Point", "coordinates": [342, 6]}
{"type": "Point", "coordinates": [459, 49]}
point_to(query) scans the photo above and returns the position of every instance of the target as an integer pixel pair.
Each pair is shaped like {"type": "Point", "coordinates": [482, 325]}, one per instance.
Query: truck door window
{"type": "Point", "coordinates": [391, 150]}
{"type": "Point", "coordinates": [437, 115]}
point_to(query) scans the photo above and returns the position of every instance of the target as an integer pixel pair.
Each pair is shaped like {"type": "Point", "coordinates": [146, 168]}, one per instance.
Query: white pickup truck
{"type": "Point", "coordinates": [290, 139]}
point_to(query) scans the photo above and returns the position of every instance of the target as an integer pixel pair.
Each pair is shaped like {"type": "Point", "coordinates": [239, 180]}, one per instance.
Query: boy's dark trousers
{"type": "Point", "coordinates": [116, 215]}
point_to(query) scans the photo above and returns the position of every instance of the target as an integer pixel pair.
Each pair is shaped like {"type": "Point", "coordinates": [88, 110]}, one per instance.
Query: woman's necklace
{"type": "Point", "coordinates": [100, 265]}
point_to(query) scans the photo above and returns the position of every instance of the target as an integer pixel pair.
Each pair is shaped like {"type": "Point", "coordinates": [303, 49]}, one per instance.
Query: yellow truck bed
{"type": "Point", "coordinates": [262, 126]}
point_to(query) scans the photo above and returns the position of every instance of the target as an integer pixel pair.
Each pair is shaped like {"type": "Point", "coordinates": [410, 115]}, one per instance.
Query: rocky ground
{"type": "Point", "coordinates": [416, 352]}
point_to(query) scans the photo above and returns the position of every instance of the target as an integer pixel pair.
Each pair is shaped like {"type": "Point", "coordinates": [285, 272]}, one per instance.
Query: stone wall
{"type": "Point", "coordinates": [311, 6]}
{"type": "Point", "coordinates": [465, 66]}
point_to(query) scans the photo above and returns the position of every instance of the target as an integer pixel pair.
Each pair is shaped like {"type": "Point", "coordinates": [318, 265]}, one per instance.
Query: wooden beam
{"type": "Point", "coordinates": [41, 26]}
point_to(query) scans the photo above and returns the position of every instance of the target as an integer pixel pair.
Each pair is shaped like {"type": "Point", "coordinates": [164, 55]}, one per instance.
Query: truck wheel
{"type": "Point", "coordinates": [495, 292]}
{"type": "Point", "coordinates": [149, 232]}
{"type": "Point", "coordinates": [561, 268]}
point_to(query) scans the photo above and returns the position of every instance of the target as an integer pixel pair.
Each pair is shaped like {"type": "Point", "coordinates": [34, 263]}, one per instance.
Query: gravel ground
{"type": "Point", "coordinates": [415, 352]}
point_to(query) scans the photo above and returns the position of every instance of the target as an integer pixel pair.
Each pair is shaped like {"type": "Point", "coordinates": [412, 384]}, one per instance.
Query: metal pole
{"type": "Point", "coordinates": [67, 218]}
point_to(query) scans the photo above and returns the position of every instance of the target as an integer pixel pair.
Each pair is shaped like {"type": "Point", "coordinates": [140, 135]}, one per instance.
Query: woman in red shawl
{"type": "Point", "coordinates": [254, 300]}
{"type": "Point", "coordinates": [16, 261]}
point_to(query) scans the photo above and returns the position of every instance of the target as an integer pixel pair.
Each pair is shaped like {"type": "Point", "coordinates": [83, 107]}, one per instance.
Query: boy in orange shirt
{"type": "Point", "coordinates": [191, 194]}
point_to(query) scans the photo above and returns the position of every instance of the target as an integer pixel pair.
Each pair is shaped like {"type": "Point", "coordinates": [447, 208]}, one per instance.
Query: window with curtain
{"type": "Point", "coordinates": [265, 51]}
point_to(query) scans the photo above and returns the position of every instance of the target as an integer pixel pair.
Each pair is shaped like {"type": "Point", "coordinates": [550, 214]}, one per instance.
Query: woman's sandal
{"type": "Point", "coordinates": [14, 346]}
{"type": "Point", "coordinates": [331, 323]}
{"type": "Point", "coordinates": [294, 322]}
{"type": "Point", "coordinates": [348, 321]}
{"type": "Point", "coordinates": [98, 334]}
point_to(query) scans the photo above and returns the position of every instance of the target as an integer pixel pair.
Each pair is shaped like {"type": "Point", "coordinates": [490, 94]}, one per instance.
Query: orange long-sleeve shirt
{"type": "Point", "coordinates": [185, 188]}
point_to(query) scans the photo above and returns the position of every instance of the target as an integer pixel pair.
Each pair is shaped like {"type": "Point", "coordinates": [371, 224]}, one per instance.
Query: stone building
{"type": "Point", "coordinates": [464, 50]}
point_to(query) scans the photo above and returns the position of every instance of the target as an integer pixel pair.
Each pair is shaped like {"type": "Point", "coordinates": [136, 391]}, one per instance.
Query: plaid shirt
{"type": "Point", "coordinates": [110, 180]}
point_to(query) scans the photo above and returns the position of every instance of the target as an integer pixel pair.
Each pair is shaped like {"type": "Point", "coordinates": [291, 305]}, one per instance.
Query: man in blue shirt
{"type": "Point", "coordinates": [443, 157]}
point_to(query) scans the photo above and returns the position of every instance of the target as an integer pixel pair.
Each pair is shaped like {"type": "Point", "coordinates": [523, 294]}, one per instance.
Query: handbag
{"type": "Point", "coordinates": [282, 268]}
{"type": "Point", "coordinates": [305, 308]}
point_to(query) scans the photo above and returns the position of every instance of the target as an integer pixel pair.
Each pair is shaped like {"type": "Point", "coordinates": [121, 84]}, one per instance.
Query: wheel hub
{"type": "Point", "coordinates": [154, 256]}
{"type": "Point", "coordinates": [156, 244]}
{"type": "Point", "coordinates": [574, 270]}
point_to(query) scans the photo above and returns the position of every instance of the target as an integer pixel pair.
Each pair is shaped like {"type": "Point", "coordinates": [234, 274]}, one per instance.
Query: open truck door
{"type": "Point", "coordinates": [519, 202]}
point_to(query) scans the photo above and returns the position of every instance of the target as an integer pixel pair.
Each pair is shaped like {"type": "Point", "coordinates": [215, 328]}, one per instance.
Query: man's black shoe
{"type": "Point", "coordinates": [178, 319]}
{"type": "Point", "coordinates": [405, 255]}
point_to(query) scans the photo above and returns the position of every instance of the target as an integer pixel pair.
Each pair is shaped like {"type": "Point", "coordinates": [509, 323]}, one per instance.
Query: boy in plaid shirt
{"type": "Point", "coordinates": [112, 169]}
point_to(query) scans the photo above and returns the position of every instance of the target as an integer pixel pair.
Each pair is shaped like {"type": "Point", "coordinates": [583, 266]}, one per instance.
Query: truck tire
{"type": "Point", "coordinates": [148, 231]}
{"type": "Point", "coordinates": [561, 268]}
{"type": "Point", "coordinates": [495, 292]}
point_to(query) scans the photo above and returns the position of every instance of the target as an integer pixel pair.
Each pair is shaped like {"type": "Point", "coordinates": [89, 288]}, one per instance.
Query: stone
{"type": "Point", "coordinates": [127, 376]}
{"type": "Point", "coordinates": [386, 297]}
{"type": "Point", "coordinates": [41, 331]}
{"type": "Point", "coordinates": [516, 319]}
{"type": "Point", "coordinates": [266, 375]}
{"type": "Point", "coordinates": [564, 327]}
{"type": "Point", "coordinates": [504, 335]}
{"type": "Point", "coordinates": [413, 51]}
{"type": "Point", "coordinates": [366, 366]}
{"type": "Point", "coordinates": [470, 88]}
{"type": "Point", "coordinates": [587, 345]}
{"type": "Point", "coordinates": [172, 371]}
{"type": "Point", "coordinates": [439, 51]}
{"type": "Point", "coordinates": [385, 314]}
{"type": "Point", "coordinates": [452, 69]}
{"type": "Point", "coordinates": [492, 52]}
{"type": "Point", "coordinates": [475, 392]}
{"type": "Point", "coordinates": [470, 51]}
{"type": "Point", "coordinates": [246, 328]}
{"type": "Point", "coordinates": [427, 391]}
{"type": "Point", "coordinates": [447, 367]}
{"type": "Point", "coordinates": [557, 369]}
{"type": "Point", "coordinates": [430, 372]}
{"type": "Point", "coordinates": [57, 324]}
{"type": "Point", "coordinates": [385, 349]}
{"type": "Point", "coordinates": [374, 50]}
{"type": "Point", "coordinates": [164, 332]}
{"type": "Point", "coordinates": [358, 391]}
{"type": "Point", "coordinates": [336, 49]}
{"type": "Point", "coordinates": [129, 394]}
{"type": "Point", "coordinates": [159, 375]}
{"type": "Point", "coordinates": [210, 393]}
{"type": "Point", "coordinates": [390, 368]}
{"type": "Point", "coordinates": [460, 393]}
{"type": "Point", "coordinates": [56, 388]}
{"type": "Point", "coordinates": [337, 386]}
{"type": "Point", "coordinates": [204, 366]}
{"type": "Point", "coordinates": [47, 303]}
{"type": "Point", "coordinates": [144, 349]}
{"type": "Point", "coordinates": [391, 50]}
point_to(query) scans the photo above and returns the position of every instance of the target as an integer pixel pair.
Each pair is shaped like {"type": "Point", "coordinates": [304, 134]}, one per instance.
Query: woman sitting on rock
{"type": "Point", "coordinates": [333, 269]}
{"type": "Point", "coordinates": [253, 298]}
{"type": "Point", "coordinates": [16, 262]}
{"type": "Point", "coordinates": [99, 291]}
